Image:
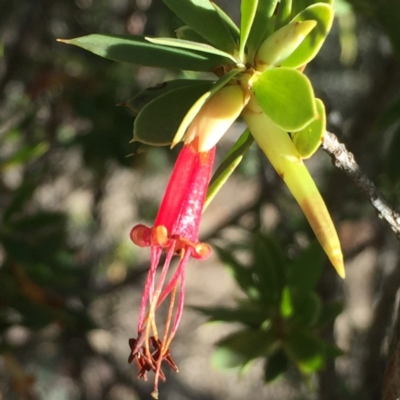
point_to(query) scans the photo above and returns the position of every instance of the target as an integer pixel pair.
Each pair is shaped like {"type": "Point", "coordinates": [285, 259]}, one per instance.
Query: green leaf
{"type": "Point", "coordinates": [306, 270]}
{"type": "Point", "coordinates": [238, 349]}
{"type": "Point", "coordinates": [196, 107]}
{"type": "Point", "coordinates": [242, 275]}
{"type": "Point", "coordinates": [249, 314]}
{"type": "Point", "coordinates": [286, 306]}
{"type": "Point", "coordinates": [189, 45]}
{"type": "Point", "coordinates": [276, 365]}
{"type": "Point", "coordinates": [302, 307]}
{"type": "Point", "coordinates": [270, 267]}
{"type": "Point", "coordinates": [300, 5]}
{"type": "Point", "coordinates": [229, 24]}
{"type": "Point", "coordinates": [201, 16]}
{"type": "Point", "coordinates": [262, 25]}
{"type": "Point", "coordinates": [159, 120]}
{"type": "Point", "coordinates": [306, 307]}
{"type": "Point", "coordinates": [248, 12]}
{"type": "Point", "coordinates": [286, 97]}
{"type": "Point", "coordinates": [306, 350]}
{"type": "Point", "coordinates": [228, 165]}
{"type": "Point", "coordinates": [308, 49]}
{"type": "Point", "coordinates": [283, 14]}
{"type": "Point", "coordinates": [187, 33]}
{"type": "Point", "coordinates": [138, 50]}
{"type": "Point", "coordinates": [308, 140]}
{"type": "Point", "coordinates": [147, 95]}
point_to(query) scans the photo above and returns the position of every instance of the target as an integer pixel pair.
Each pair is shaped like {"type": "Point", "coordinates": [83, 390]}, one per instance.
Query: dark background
{"type": "Point", "coordinates": [71, 280]}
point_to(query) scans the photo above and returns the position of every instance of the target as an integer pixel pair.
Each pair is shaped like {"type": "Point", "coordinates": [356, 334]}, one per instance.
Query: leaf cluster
{"type": "Point", "coordinates": [282, 315]}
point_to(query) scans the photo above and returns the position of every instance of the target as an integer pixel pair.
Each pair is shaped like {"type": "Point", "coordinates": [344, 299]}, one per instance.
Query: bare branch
{"type": "Point", "coordinates": [344, 160]}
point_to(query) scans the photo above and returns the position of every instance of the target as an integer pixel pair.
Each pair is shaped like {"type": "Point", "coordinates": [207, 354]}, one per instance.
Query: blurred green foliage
{"type": "Point", "coordinates": [282, 313]}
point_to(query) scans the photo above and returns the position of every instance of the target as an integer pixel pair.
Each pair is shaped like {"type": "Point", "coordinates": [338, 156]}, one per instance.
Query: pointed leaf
{"type": "Point", "coordinates": [189, 45]}
{"type": "Point", "coordinates": [229, 24]}
{"type": "Point", "coordinates": [270, 268]}
{"type": "Point", "coordinates": [144, 97]}
{"type": "Point", "coordinates": [306, 350]}
{"type": "Point", "coordinates": [247, 14]}
{"type": "Point", "coordinates": [138, 50]}
{"type": "Point", "coordinates": [262, 25]}
{"type": "Point", "coordinates": [159, 120]}
{"type": "Point", "coordinates": [196, 107]}
{"type": "Point", "coordinates": [308, 140]}
{"type": "Point", "coordinates": [306, 307]}
{"type": "Point", "coordinates": [228, 165]}
{"type": "Point", "coordinates": [242, 275]}
{"type": "Point", "coordinates": [187, 33]}
{"type": "Point", "coordinates": [280, 150]}
{"type": "Point", "coordinates": [300, 5]}
{"type": "Point", "coordinates": [287, 98]}
{"type": "Point", "coordinates": [306, 270]}
{"type": "Point", "coordinates": [241, 347]}
{"type": "Point", "coordinates": [323, 14]}
{"type": "Point", "coordinates": [205, 20]}
{"type": "Point", "coordinates": [283, 14]}
{"type": "Point", "coordinates": [25, 154]}
{"type": "Point", "coordinates": [276, 366]}
{"type": "Point", "coordinates": [251, 316]}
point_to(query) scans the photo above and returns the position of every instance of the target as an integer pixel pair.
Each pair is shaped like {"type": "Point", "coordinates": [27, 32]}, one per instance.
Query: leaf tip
{"type": "Point", "coordinates": [336, 258]}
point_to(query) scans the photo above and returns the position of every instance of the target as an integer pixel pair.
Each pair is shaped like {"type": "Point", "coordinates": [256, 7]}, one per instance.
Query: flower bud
{"type": "Point", "coordinates": [216, 116]}
{"type": "Point", "coordinates": [282, 43]}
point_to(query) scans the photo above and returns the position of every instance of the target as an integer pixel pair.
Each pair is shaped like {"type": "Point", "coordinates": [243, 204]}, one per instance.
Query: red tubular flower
{"type": "Point", "coordinates": [175, 231]}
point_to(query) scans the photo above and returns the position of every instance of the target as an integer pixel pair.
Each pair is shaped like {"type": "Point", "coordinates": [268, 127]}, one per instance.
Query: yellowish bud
{"type": "Point", "coordinates": [217, 115]}
{"type": "Point", "coordinates": [282, 43]}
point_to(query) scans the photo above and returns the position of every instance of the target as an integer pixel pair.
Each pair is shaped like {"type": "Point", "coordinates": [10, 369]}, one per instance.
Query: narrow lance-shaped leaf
{"type": "Point", "coordinates": [240, 348]}
{"type": "Point", "coordinates": [137, 50]}
{"type": "Point", "coordinates": [262, 25]}
{"type": "Point", "coordinates": [187, 33]}
{"type": "Point", "coordinates": [228, 165]}
{"type": "Point", "coordinates": [247, 15]}
{"type": "Point", "coordinates": [276, 366]}
{"type": "Point", "coordinates": [205, 20]}
{"type": "Point", "coordinates": [189, 45]}
{"type": "Point", "coordinates": [229, 24]}
{"type": "Point", "coordinates": [283, 14]}
{"type": "Point", "coordinates": [306, 350]}
{"type": "Point", "coordinates": [286, 97]}
{"type": "Point", "coordinates": [282, 153]}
